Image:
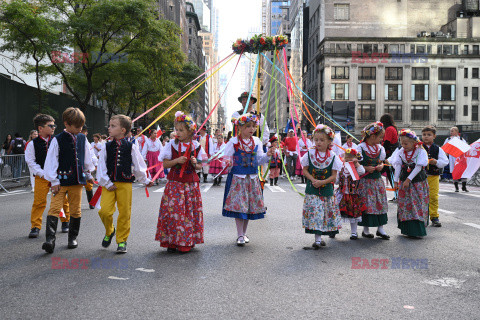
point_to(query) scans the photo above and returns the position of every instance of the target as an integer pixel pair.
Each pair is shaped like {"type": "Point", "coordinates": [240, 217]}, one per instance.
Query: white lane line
{"type": "Point", "coordinates": [13, 194]}
{"type": "Point", "coordinates": [117, 278]}
{"type": "Point", "coordinates": [274, 188]}
{"type": "Point", "coordinates": [472, 225]}
{"type": "Point", "coordinates": [145, 270]}
{"type": "Point", "coordinates": [207, 187]}
{"type": "Point", "coordinates": [160, 189]}
{"type": "Point", "coordinates": [445, 211]}
{"type": "Point", "coordinates": [301, 185]}
{"type": "Point", "coordinates": [464, 193]}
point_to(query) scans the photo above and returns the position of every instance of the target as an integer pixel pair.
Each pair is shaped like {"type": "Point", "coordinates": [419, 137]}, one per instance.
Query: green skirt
{"type": "Point", "coordinates": [373, 220]}
{"type": "Point", "coordinates": [413, 228]}
{"type": "Point", "coordinates": [322, 233]}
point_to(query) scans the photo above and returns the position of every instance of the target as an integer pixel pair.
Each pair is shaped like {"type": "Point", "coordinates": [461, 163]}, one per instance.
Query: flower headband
{"type": "Point", "coordinates": [182, 117]}
{"type": "Point", "coordinates": [353, 152]}
{"type": "Point", "coordinates": [325, 129]}
{"type": "Point", "coordinates": [372, 129]}
{"type": "Point", "coordinates": [410, 134]}
{"type": "Point", "coordinates": [247, 117]}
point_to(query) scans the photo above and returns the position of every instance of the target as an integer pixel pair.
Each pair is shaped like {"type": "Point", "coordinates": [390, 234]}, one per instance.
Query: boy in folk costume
{"type": "Point", "coordinates": [217, 167]}
{"type": "Point", "coordinates": [437, 160]}
{"type": "Point", "coordinates": [35, 156]}
{"type": "Point", "coordinates": [275, 161]}
{"type": "Point", "coordinates": [115, 176]}
{"type": "Point", "coordinates": [67, 167]}
{"type": "Point", "coordinates": [206, 142]}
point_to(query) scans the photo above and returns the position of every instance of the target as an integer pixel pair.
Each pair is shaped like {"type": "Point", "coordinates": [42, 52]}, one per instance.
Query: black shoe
{"type": "Point", "coordinates": [354, 236]}
{"type": "Point", "coordinates": [108, 239]}
{"type": "Point", "coordinates": [393, 200]}
{"type": "Point", "coordinates": [369, 236]}
{"type": "Point", "coordinates": [322, 243]}
{"type": "Point", "coordinates": [456, 186]}
{"type": "Point", "coordinates": [436, 223]}
{"type": "Point", "coordinates": [73, 232]}
{"type": "Point", "coordinates": [65, 226]}
{"type": "Point", "coordinates": [456, 190]}
{"type": "Point", "coordinates": [275, 182]}
{"type": "Point", "coordinates": [219, 181]}
{"type": "Point", "coordinates": [50, 231]}
{"type": "Point", "coordinates": [89, 198]}
{"type": "Point", "coordinates": [122, 247]}
{"type": "Point", "coordinates": [205, 178]}
{"type": "Point", "coordinates": [331, 236]}
{"type": "Point", "coordinates": [383, 236]}
{"type": "Point", "coordinates": [34, 233]}
{"type": "Point", "coordinates": [171, 250]}
{"type": "Point", "coordinates": [464, 186]}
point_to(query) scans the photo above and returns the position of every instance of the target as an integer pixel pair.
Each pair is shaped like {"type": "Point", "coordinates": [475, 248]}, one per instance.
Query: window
{"type": "Point", "coordinates": [474, 93]}
{"type": "Point", "coordinates": [190, 42]}
{"type": "Point", "coordinates": [446, 113]}
{"type": "Point", "coordinates": [465, 110]}
{"type": "Point", "coordinates": [393, 92]}
{"type": "Point", "coordinates": [465, 49]}
{"type": "Point", "coordinates": [395, 111]}
{"type": "Point", "coordinates": [341, 11]}
{"type": "Point", "coordinates": [367, 48]}
{"type": "Point", "coordinates": [447, 74]}
{"type": "Point", "coordinates": [419, 92]}
{"type": "Point", "coordinates": [366, 92]}
{"type": "Point", "coordinates": [420, 74]}
{"type": "Point", "coordinates": [445, 49]}
{"type": "Point", "coordinates": [393, 73]}
{"type": "Point", "coordinates": [395, 48]}
{"type": "Point", "coordinates": [475, 49]}
{"type": "Point", "coordinates": [190, 30]}
{"type": "Point", "coordinates": [339, 91]}
{"type": "Point", "coordinates": [474, 73]}
{"type": "Point", "coordinates": [340, 72]}
{"type": "Point", "coordinates": [366, 112]}
{"type": "Point", "coordinates": [465, 73]}
{"type": "Point", "coordinates": [446, 92]}
{"type": "Point", "coordinates": [420, 113]}
{"type": "Point", "coordinates": [474, 113]}
{"type": "Point", "coordinates": [367, 73]}
{"type": "Point", "coordinates": [465, 91]}
{"type": "Point", "coordinates": [189, 20]}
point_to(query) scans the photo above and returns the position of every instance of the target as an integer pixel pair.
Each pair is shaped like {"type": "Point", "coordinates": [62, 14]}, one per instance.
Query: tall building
{"type": "Point", "coordinates": [418, 60]}
{"type": "Point", "coordinates": [203, 9]}
{"type": "Point", "coordinates": [175, 10]}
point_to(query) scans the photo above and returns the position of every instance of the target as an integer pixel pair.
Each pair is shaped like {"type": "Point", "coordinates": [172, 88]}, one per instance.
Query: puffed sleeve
{"type": "Point", "coordinates": [383, 154]}
{"type": "Point", "coordinates": [337, 163]}
{"type": "Point", "coordinates": [202, 155]}
{"type": "Point", "coordinates": [51, 163]}
{"type": "Point", "coordinates": [102, 176]}
{"type": "Point", "coordinates": [166, 153]}
{"type": "Point", "coordinates": [32, 161]}
{"type": "Point", "coordinates": [360, 170]}
{"type": "Point", "coordinates": [304, 160]}
{"type": "Point", "coordinates": [395, 157]}
{"type": "Point", "coordinates": [442, 160]}
{"type": "Point", "coordinates": [261, 156]}
{"type": "Point", "coordinates": [420, 162]}
{"type": "Point", "coordinates": [229, 149]}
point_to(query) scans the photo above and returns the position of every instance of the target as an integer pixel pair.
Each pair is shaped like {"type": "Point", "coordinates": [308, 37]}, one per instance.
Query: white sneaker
{"type": "Point", "coordinates": [240, 241]}
{"type": "Point", "coordinates": [246, 239]}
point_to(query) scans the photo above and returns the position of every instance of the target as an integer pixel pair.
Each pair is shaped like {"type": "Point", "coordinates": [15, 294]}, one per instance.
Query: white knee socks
{"type": "Point", "coordinates": [353, 227]}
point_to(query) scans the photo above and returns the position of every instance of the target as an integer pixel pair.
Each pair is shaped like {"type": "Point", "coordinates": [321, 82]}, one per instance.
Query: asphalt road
{"type": "Point", "coordinates": [273, 277]}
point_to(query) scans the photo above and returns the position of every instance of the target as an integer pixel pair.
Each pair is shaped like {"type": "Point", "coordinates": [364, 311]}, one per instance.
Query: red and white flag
{"type": "Point", "coordinates": [96, 198]}
{"type": "Point", "coordinates": [456, 147]}
{"type": "Point", "coordinates": [352, 170]}
{"type": "Point", "coordinates": [468, 163]}
{"type": "Point", "coordinates": [159, 131]}
{"type": "Point", "coordinates": [61, 214]}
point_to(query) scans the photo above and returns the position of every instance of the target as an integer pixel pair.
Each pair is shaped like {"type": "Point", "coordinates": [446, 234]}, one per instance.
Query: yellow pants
{"type": "Point", "coordinates": [89, 186]}
{"type": "Point", "coordinates": [123, 197]}
{"type": "Point", "coordinates": [41, 189]}
{"type": "Point", "coordinates": [74, 194]}
{"type": "Point", "coordinates": [434, 186]}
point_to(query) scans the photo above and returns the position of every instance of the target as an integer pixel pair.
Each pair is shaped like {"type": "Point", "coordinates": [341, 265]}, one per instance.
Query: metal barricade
{"type": "Point", "coordinates": [13, 171]}
{"type": "Point", "coordinates": [475, 180]}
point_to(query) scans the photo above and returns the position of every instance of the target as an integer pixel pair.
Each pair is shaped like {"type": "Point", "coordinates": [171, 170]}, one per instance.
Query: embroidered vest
{"type": "Point", "coordinates": [373, 162]}
{"type": "Point", "coordinates": [245, 162]}
{"type": "Point", "coordinates": [189, 174]}
{"type": "Point", "coordinates": [433, 152]}
{"type": "Point", "coordinates": [320, 174]}
{"type": "Point", "coordinates": [41, 148]}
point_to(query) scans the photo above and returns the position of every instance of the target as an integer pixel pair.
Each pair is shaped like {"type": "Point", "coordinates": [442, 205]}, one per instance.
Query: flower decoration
{"type": "Point", "coordinates": [410, 134]}
{"type": "Point", "coordinates": [325, 129]}
{"type": "Point", "coordinates": [260, 43]}
{"type": "Point", "coordinates": [372, 129]}
{"type": "Point", "coordinates": [247, 117]}
{"type": "Point", "coordinates": [182, 117]}
{"type": "Point", "coordinates": [351, 151]}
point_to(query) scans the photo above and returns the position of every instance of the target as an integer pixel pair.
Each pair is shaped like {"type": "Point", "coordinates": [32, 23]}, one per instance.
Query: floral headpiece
{"type": "Point", "coordinates": [325, 129]}
{"type": "Point", "coordinates": [353, 152]}
{"type": "Point", "coordinates": [372, 129]}
{"type": "Point", "coordinates": [182, 117]}
{"type": "Point", "coordinates": [247, 117]}
{"type": "Point", "coordinates": [410, 134]}
{"type": "Point", "coordinates": [259, 43]}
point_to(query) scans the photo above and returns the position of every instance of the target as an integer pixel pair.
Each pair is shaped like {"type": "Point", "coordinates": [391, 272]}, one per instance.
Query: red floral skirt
{"type": "Point", "coordinates": [352, 206]}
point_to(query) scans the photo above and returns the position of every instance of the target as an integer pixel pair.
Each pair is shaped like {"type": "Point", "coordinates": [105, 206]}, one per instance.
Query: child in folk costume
{"type": "Point", "coordinates": [320, 166]}
{"type": "Point", "coordinates": [352, 205]}
{"type": "Point", "coordinates": [437, 160]}
{"type": "Point", "coordinates": [206, 142]}
{"type": "Point", "coordinates": [180, 221]}
{"type": "Point", "coordinates": [243, 199]}
{"type": "Point", "coordinates": [349, 144]}
{"type": "Point", "coordinates": [150, 152]}
{"type": "Point", "coordinates": [371, 186]}
{"type": "Point", "coordinates": [411, 181]}
{"type": "Point", "coordinates": [275, 161]}
{"type": "Point", "coordinates": [217, 167]}
{"type": "Point", "coordinates": [303, 145]}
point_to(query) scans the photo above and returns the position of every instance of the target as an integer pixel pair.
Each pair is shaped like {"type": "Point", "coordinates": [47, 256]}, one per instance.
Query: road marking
{"type": "Point", "coordinates": [463, 193]}
{"type": "Point", "coordinates": [13, 193]}
{"type": "Point", "coordinates": [207, 187]}
{"type": "Point", "coordinates": [160, 189]}
{"type": "Point", "coordinates": [446, 282]}
{"type": "Point", "coordinates": [117, 278]}
{"type": "Point", "coordinates": [275, 188]}
{"type": "Point", "coordinates": [301, 185]}
{"type": "Point", "coordinates": [145, 270]}
{"type": "Point", "coordinates": [472, 225]}
{"type": "Point", "coordinates": [445, 211]}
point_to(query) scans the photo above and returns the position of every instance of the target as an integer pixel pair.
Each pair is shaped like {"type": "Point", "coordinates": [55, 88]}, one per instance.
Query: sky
{"type": "Point", "coordinates": [236, 19]}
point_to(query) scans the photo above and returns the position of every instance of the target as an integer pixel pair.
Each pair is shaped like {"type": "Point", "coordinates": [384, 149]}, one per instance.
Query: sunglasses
{"type": "Point", "coordinates": [53, 126]}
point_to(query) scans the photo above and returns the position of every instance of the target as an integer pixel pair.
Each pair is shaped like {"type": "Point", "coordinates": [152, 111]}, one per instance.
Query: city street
{"type": "Point", "coordinates": [272, 277]}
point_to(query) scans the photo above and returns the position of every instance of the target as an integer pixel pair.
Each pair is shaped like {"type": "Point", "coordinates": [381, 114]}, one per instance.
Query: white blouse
{"type": "Point", "coordinates": [230, 151]}
{"type": "Point", "coordinates": [337, 163]}
{"type": "Point", "coordinates": [363, 146]}
{"type": "Point", "coordinates": [420, 158]}
{"type": "Point", "coordinates": [302, 145]}
{"type": "Point", "coordinates": [31, 160]}
{"type": "Point", "coordinates": [345, 146]}
{"type": "Point", "coordinates": [166, 153]}
{"type": "Point", "coordinates": [151, 146]}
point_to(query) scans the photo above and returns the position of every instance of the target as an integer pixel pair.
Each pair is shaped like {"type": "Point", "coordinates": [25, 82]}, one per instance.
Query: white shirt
{"type": "Point", "coordinates": [345, 146]}
{"type": "Point", "coordinates": [94, 156]}
{"type": "Point", "coordinates": [363, 146]}
{"type": "Point", "coordinates": [203, 143]}
{"type": "Point", "coordinates": [337, 163]}
{"type": "Point", "coordinates": [266, 130]}
{"type": "Point", "coordinates": [140, 142]}
{"type": "Point", "coordinates": [152, 146]}
{"type": "Point", "coordinates": [97, 145]}
{"type": "Point", "coordinates": [51, 163]}
{"type": "Point", "coordinates": [442, 160]}
{"type": "Point", "coordinates": [34, 167]}
{"type": "Point", "coordinates": [302, 145]}
{"type": "Point", "coordinates": [139, 167]}
{"type": "Point", "coordinates": [261, 156]}
{"type": "Point", "coordinates": [420, 158]}
{"type": "Point", "coordinates": [217, 148]}
{"type": "Point", "coordinates": [166, 153]}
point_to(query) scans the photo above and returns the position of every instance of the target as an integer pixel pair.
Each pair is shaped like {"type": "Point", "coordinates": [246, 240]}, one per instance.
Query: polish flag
{"type": "Point", "coordinates": [468, 163]}
{"type": "Point", "coordinates": [159, 131]}
{"type": "Point", "coordinates": [96, 198]}
{"type": "Point", "coordinates": [456, 147]}
{"type": "Point", "coordinates": [61, 214]}
{"type": "Point", "coordinates": [352, 170]}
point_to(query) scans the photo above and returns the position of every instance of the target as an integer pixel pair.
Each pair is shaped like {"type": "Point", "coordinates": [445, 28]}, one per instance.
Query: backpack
{"type": "Point", "coordinates": [18, 146]}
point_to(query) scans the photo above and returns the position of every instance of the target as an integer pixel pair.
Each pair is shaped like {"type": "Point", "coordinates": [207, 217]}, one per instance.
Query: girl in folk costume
{"type": "Point", "coordinates": [352, 205]}
{"type": "Point", "coordinates": [275, 161]}
{"type": "Point", "coordinates": [206, 142]}
{"type": "Point", "coordinates": [217, 167]}
{"type": "Point", "coordinates": [371, 186]}
{"type": "Point", "coordinates": [243, 199]}
{"type": "Point", "coordinates": [303, 145]}
{"type": "Point", "coordinates": [150, 152]}
{"type": "Point", "coordinates": [411, 181]}
{"type": "Point", "coordinates": [180, 221]}
{"type": "Point", "coordinates": [320, 166]}
{"type": "Point", "coordinates": [349, 144]}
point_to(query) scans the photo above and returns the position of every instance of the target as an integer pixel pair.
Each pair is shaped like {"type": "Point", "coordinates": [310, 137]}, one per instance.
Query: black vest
{"type": "Point", "coordinates": [433, 152]}
{"type": "Point", "coordinates": [71, 159]}
{"type": "Point", "coordinates": [41, 147]}
{"type": "Point", "coordinates": [119, 160]}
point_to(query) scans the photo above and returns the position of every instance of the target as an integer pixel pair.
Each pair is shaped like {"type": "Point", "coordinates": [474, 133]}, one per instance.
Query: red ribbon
{"type": "Point", "coordinates": [95, 197]}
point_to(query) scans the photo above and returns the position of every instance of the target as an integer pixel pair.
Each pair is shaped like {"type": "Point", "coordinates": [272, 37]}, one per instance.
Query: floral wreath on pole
{"type": "Point", "coordinates": [260, 43]}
